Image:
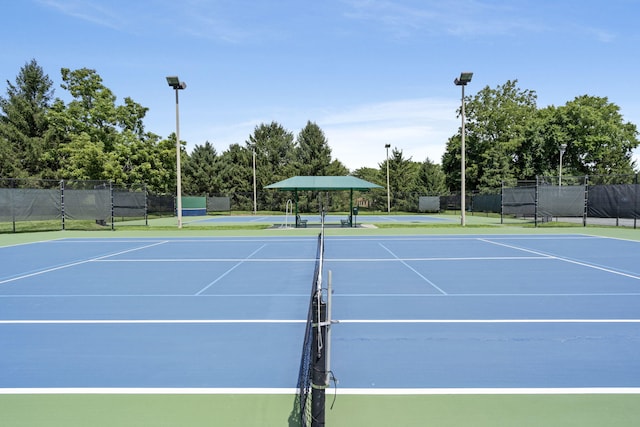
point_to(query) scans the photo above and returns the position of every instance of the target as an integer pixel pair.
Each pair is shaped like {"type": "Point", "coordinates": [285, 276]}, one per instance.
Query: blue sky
{"type": "Point", "coordinates": [368, 72]}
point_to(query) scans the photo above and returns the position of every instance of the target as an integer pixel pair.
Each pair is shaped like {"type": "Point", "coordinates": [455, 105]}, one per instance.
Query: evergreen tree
{"type": "Point", "coordinates": [431, 179]}
{"type": "Point", "coordinates": [314, 153]}
{"type": "Point", "coordinates": [201, 171]}
{"type": "Point", "coordinates": [236, 176]}
{"type": "Point", "coordinates": [23, 123]}
{"type": "Point", "coordinates": [275, 161]}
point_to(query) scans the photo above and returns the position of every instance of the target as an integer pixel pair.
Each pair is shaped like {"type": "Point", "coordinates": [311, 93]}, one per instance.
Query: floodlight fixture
{"type": "Point", "coordinates": [175, 83]}
{"type": "Point", "coordinates": [464, 78]}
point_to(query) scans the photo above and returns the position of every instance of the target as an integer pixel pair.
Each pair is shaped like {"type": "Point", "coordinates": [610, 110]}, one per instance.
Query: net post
{"type": "Point", "coordinates": [319, 364]}
{"type": "Point", "coordinates": [329, 322]}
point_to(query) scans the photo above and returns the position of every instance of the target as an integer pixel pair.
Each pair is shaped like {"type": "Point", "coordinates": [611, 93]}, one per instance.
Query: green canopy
{"type": "Point", "coordinates": [324, 183]}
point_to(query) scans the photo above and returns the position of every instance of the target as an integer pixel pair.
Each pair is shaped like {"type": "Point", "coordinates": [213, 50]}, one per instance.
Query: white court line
{"type": "Point", "coordinates": [73, 264]}
{"type": "Point", "coordinates": [487, 391]}
{"type": "Point", "coordinates": [584, 264]}
{"type": "Point", "coordinates": [276, 321]}
{"type": "Point", "coordinates": [331, 390]}
{"type": "Point", "coordinates": [464, 237]}
{"type": "Point", "coordinates": [154, 296]}
{"type": "Point", "coordinates": [490, 321]}
{"type": "Point", "coordinates": [413, 269]}
{"type": "Point", "coordinates": [396, 259]}
{"type": "Point", "coordinates": [143, 390]}
{"type": "Point", "coordinates": [145, 321]}
{"type": "Point", "coordinates": [526, 295]}
{"type": "Point", "coordinates": [229, 270]}
{"type": "Point", "coordinates": [240, 260]}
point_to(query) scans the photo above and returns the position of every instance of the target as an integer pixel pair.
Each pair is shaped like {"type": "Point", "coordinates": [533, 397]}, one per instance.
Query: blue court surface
{"type": "Point", "coordinates": [416, 314]}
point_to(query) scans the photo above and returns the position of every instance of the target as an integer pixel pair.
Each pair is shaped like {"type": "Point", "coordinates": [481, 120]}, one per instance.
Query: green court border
{"type": "Point", "coordinates": [175, 410]}
{"type": "Point", "coordinates": [124, 409]}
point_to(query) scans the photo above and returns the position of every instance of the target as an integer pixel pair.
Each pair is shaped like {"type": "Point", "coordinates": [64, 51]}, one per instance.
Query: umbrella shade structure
{"type": "Point", "coordinates": [323, 183]}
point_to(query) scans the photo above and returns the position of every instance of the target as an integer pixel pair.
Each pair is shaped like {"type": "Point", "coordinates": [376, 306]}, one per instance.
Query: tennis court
{"type": "Point", "coordinates": [330, 219]}
{"type": "Point", "coordinates": [433, 330]}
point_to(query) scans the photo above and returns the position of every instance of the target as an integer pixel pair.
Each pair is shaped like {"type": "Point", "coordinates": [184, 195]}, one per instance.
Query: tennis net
{"type": "Point", "coordinates": [312, 377]}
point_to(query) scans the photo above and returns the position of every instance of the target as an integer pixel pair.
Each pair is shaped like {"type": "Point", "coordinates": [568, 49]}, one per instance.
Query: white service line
{"type": "Point", "coordinates": [73, 264]}
{"type": "Point", "coordinates": [144, 321]}
{"type": "Point", "coordinates": [584, 264]}
{"type": "Point", "coordinates": [489, 321]}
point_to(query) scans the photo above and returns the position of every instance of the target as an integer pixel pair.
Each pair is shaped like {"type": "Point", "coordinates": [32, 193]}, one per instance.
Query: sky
{"type": "Point", "coordinates": [368, 72]}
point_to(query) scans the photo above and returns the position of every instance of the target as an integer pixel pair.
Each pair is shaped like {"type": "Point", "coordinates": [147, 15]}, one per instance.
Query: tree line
{"type": "Point", "coordinates": [92, 137]}
{"type": "Point", "coordinates": [509, 138]}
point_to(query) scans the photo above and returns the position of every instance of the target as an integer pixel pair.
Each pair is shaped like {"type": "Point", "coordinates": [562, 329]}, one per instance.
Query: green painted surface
{"type": "Point", "coordinates": [323, 183]}
{"type": "Point", "coordinates": [124, 410]}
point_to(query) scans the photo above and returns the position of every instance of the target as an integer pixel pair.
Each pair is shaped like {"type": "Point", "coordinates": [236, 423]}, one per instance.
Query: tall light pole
{"type": "Point", "coordinates": [175, 83]}
{"type": "Point", "coordinates": [562, 149]}
{"type": "Point", "coordinates": [462, 81]}
{"type": "Point", "coordinates": [388, 190]}
{"type": "Point", "coordinates": [255, 194]}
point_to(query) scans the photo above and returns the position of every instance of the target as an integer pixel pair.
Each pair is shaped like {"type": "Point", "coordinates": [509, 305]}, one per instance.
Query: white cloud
{"type": "Point", "coordinates": [418, 127]}
{"type": "Point", "coordinates": [93, 12]}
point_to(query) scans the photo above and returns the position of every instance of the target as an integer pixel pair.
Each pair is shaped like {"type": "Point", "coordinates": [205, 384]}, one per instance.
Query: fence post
{"type": "Point", "coordinates": [635, 202]}
{"type": "Point", "coordinates": [113, 218]}
{"type": "Point", "coordinates": [535, 209]}
{"type": "Point", "coordinates": [146, 204]}
{"type": "Point", "coordinates": [502, 202]}
{"type": "Point", "coordinates": [62, 201]}
{"type": "Point", "coordinates": [586, 200]}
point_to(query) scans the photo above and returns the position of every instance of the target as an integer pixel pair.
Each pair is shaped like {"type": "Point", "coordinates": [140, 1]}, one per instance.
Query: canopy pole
{"type": "Point", "coordinates": [351, 208]}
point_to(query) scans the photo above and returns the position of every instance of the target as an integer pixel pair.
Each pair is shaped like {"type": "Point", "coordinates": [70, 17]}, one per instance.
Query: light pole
{"type": "Point", "coordinates": [255, 195]}
{"type": "Point", "coordinates": [562, 148]}
{"type": "Point", "coordinates": [462, 81]}
{"type": "Point", "coordinates": [388, 190]}
{"type": "Point", "coordinates": [175, 83]}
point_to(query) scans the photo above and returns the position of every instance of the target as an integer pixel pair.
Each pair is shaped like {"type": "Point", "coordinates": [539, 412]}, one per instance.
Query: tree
{"type": "Point", "coordinates": [378, 196]}
{"type": "Point", "coordinates": [313, 157]}
{"type": "Point", "coordinates": [92, 137]}
{"type": "Point", "coordinates": [85, 159]}
{"type": "Point", "coordinates": [24, 123]}
{"type": "Point", "coordinates": [275, 160]}
{"type": "Point", "coordinates": [431, 179]}
{"type": "Point", "coordinates": [496, 120]}
{"type": "Point", "coordinates": [201, 171]}
{"type": "Point", "coordinates": [598, 140]}
{"type": "Point", "coordinates": [236, 175]}
{"type": "Point", "coordinates": [313, 151]}
{"type": "Point", "coordinates": [508, 138]}
{"type": "Point", "coordinates": [146, 160]}
{"type": "Point", "coordinates": [403, 175]}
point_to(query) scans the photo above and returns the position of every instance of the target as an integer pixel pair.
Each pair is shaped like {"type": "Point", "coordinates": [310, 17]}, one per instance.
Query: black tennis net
{"type": "Point", "coordinates": [312, 374]}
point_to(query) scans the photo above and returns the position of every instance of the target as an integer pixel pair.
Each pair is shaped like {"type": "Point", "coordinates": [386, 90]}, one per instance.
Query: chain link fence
{"type": "Point", "coordinates": [76, 204]}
